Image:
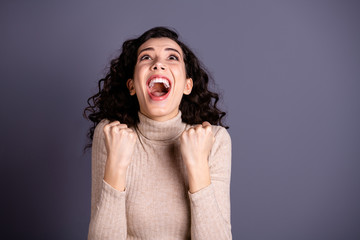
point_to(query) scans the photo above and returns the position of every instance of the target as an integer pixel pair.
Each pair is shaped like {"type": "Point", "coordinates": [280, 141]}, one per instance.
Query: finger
{"type": "Point", "coordinates": [116, 128]}
{"type": "Point", "coordinates": [207, 126]}
{"type": "Point", "coordinates": [198, 127]}
{"type": "Point", "coordinates": [123, 130]}
{"type": "Point", "coordinates": [206, 123]}
{"type": "Point", "coordinates": [114, 123]}
{"type": "Point", "coordinates": [128, 130]}
{"type": "Point", "coordinates": [122, 126]}
{"type": "Point", "coordinates": [107, 128]}
{"type": "Point", "coordinates": [191, 131]}
{"type": "Point", "coordinates": [132, 134]}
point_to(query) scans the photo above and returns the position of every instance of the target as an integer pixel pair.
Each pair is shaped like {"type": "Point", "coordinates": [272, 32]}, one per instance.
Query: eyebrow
{"type": "Point", "coordinates": [152, 49]}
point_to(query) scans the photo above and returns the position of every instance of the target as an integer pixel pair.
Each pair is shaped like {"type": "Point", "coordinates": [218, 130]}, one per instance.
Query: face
{"type": "Point", "coordinates": [159, 80]}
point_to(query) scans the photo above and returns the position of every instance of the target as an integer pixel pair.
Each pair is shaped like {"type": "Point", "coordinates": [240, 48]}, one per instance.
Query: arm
{"type": "Point", "coordinates": [108, 215]}
{"type": "Point", "coordinates": [210, 206]}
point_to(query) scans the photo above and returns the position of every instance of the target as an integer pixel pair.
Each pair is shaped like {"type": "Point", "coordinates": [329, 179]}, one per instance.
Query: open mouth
{"type": "Point", "coordinates": [158, 88]}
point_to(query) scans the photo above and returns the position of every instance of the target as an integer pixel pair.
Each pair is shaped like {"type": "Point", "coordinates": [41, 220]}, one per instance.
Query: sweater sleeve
{"type": "Point", "coordinates": [108, 216]}
{"type": "Point", "coordinates": [210, 207]}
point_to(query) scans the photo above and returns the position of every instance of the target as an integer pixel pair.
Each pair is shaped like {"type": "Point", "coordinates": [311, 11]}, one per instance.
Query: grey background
{"type": "Point", "coordinates": [289, 73]}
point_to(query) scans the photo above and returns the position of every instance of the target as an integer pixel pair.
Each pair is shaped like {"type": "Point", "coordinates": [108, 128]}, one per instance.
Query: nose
{"type": "Point", "coordinates": [158, 66]}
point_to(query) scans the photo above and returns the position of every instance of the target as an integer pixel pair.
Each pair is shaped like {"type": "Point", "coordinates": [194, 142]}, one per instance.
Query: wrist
{"type": "Point", "coordinates": [115, 175]}
{"type": "Point", "coordinates": [199, 178]}
{"type": "Point", "coordinates": [116, 162]}
{"type": "Point", "coordinates": [115, 180]}
{"type": "Point", "coordinates": [199, 161]}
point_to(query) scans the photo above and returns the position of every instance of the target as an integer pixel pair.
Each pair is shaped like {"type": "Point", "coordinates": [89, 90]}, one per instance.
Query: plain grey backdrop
{"type": "Point", "coordinates": [289, 72]}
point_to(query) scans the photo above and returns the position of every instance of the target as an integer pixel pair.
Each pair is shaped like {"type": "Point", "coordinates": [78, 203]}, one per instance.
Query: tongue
{"type": "Point", "coordinates": [158, 90]}
{"type": "Point", "coordinates": [158, 94]}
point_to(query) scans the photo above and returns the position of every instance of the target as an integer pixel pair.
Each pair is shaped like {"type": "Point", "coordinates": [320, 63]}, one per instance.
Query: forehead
{"type": "Point", "coordinates": [160, 44]}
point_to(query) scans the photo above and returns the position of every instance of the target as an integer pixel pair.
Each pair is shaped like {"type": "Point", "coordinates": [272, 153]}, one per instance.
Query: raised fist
{"type": "Point", "coordinates": [120, 142]}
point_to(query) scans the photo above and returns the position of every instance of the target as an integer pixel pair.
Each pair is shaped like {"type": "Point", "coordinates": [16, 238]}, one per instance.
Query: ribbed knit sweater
{"type": "Point", "coordinates": [156, 203]}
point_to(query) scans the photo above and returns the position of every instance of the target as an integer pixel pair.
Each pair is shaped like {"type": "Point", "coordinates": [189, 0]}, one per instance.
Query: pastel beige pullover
{"type": "Point", "coordinates": [156, 203]}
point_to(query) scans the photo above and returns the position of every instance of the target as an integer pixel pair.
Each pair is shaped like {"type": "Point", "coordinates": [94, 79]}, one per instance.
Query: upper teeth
{"type": "Point", "coordinates": [159, 80]}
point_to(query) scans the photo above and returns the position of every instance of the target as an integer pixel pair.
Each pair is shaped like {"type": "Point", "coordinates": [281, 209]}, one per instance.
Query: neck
{"type": "Point", "coordinates": [161, 130]}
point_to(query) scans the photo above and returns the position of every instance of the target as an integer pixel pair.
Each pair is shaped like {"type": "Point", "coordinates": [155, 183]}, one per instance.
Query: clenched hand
{"type": "Point", "coordinates": [120, 141]}
{"type": "Point", "coordinates": [195, 145]}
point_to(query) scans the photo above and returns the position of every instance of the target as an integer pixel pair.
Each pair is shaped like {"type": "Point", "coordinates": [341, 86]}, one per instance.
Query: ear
{"type": "Point", "coordinates": [130, 86]}
{"type": "Point", "coordinates": [188, 86]}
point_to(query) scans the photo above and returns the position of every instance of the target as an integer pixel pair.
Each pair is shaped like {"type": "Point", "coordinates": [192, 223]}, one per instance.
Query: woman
{"type": "Point", "coordinates": [160, 170]}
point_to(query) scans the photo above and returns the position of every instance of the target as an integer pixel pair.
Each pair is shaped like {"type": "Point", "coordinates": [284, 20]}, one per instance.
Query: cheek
{"type": "Point", "coordinates": [140, 88]}
{"type": "Point", "coordinates": [179, 72]}
{"type": "Point", "coordinates": [139, 69]}
{"type": "Point", "coordinates": [136, 72]}
{"type": "Point", "coordinates": [180, 88]}
{"type": "Point", "coordinates": [138, 77]}
{"type": "Point", "coordinates": [181, 78]}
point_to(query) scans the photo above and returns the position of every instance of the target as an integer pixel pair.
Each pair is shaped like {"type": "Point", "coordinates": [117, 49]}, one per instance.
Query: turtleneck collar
{"type": "Point", "coordinates": [160, 131]}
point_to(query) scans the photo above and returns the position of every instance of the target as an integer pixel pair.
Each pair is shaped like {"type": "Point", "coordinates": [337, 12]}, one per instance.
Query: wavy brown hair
{"type": "Point", "coordinates": [114, 102]}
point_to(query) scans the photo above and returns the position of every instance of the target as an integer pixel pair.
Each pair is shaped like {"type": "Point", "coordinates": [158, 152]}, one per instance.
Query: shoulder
{"type": "Point", "coordinates": [222, 143]}
{"type": "Point", "coordinates": [220, 154]}
{"type": "Point", "coordinates": [98, 142]}
{"type": "Point", "coordinates": [221, 134]}
{"type": "Point", "coordinates": [99, 129]}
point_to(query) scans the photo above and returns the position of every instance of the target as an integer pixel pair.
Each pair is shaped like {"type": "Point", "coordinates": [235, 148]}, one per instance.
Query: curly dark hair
{"type": "Point", "coordinates": [114, 102]}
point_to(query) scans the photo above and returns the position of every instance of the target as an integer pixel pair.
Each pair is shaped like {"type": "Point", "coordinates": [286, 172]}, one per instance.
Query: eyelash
{"type": "Point", "coordinates": [173, 56]}
{"type": "Point", "coordinates": [147, 57]}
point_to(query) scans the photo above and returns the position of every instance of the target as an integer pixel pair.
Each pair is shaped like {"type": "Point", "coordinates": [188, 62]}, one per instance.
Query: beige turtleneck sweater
{"type": "Point", "coordinates": [156, 203]}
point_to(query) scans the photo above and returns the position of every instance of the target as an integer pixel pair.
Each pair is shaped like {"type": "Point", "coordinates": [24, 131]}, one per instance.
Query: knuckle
{"type": "Point", "coordinates": [199, 128]}
{"type": "Point", "coordinates": [184, 135]}
{"type": "Point", "coordinates": [111, 124]}
{"type": "Point", "coordinates": [132, 136]}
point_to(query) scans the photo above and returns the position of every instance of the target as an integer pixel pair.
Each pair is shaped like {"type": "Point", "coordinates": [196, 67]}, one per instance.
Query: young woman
{"type": "Point", "coordinates": [161, 158]}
